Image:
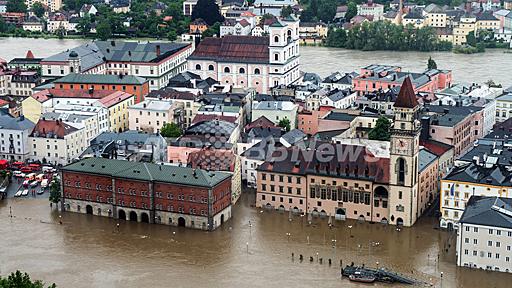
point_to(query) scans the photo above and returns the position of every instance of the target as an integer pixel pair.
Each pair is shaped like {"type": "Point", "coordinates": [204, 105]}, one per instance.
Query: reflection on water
{"type": "Point", "coordinates": [88, 251]}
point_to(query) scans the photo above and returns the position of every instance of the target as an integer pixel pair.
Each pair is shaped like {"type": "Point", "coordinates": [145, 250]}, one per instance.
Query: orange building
{"type": "Point", "coordinates": [198, 26]}
{"type": "Point", "coordinates": [135, 85]}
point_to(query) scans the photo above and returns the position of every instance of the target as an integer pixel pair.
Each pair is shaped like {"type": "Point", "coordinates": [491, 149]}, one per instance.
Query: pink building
{"type": "Point", "coordinates": [375, 77]}
{"type": "Point", "coordinates": [308, 121]}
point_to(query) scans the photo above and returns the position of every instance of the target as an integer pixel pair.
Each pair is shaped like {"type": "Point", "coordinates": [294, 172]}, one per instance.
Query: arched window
{"type": "Point", "coordinates": [198, 67]}
{"type": "Point", "coordinates": [257, 71]}
{"type": "Point", "coordinates": [276, 57]}
{"type": "Point", "coordinates": [241, 70]}
{"type": "Point", "coordinates": [210, 67]}
{"type": "Point", "coordinates": [226, 70]}
{"type": "Point", "coordinates": [400, 166]}
{"type": "Point", "coordinates": [276, 39]}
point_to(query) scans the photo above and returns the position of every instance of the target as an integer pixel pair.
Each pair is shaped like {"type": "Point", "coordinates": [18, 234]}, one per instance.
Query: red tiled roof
{"type": "Point", "coordinates": [49, 128]}
{"type": "Point", "coordinates": [114, 98]}
{"type": "Point", "coordinates": [44, 95]}
{"type": "Point", "coordinates": [30, 55]}
{"type": "Point", "coordinates": [436, 147]}
{"type": "Point", "coordinates": [3, 102]}
{"type": "Point", "coordinates": [252, 49]}
{"type": "Point", "coordinates": [406, 98]}
{"type": "Point", "coordinates": [208, 117]}
{"type": "Point", "coordinates": [212, 159]}
{"type": "Point", "coordinates": [262, 122]}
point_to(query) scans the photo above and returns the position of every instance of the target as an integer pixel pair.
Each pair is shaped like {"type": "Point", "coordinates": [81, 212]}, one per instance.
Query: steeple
{"type": "Point", "coordinates": [406, 98]}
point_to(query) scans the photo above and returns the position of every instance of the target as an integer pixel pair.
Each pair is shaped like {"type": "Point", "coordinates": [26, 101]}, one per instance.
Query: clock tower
{"type": "Point", "coordinates": [404, 150]}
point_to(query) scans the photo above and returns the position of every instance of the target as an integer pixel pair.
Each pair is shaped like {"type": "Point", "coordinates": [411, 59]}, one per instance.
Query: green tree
{"type": "Point", "coordinates": [212, 30]}
{"type": "Point", "coordinates": [431, 64]}
{"type": "Point", "coordinates": [171, 130]}
{"type": "Point", "coordinates": [38, 9]}
{"type": "Point", "coordinates": [351, 10]}
{"type": "Point", "coordinates": [3, 26]}
{"type": "Point", "coordinates": [171, 35]}
{"type": "Point", "coordinates": [207, 10]}
{"type": "Point", "coordinates": [285, 123]}
{"type": "Point", "coordinates": [61, 32]}
{"type": "Point", "coordinates": [336, 38]}
{"type": "Point", "coordinates": [16, 6]}
{"type": "Point", "coordinates": [471, 39]}
{"type": "Point", "coordinates": [21, 280]}
{"type": "Point", "coordinates": [54, 191]}
{"type": "Point", "coordinates": [104, 30]}
{"type": "Point", "coordinates": [327, 11]}
{"type": "Point", "coordinates": [286, 11]}
{"type": "Point", "coordinates": [381, 130]}
{"type": "Point", "coordinates": [84, 25]}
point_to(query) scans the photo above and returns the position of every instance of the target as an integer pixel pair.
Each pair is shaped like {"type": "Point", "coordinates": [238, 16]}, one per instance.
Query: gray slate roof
{"type": "Point", "coordinates": [294, 136]}
{"type": "Point", "coordinates": [148, 172]}
{"type": "Point", "coordinates": [425, 158]}
{"type": "Point", "coordinates": [101, 79]}
{"type": "Point", "coordinates": [488, 211]}
{"type": "Point", "coordinates": [10, 123]}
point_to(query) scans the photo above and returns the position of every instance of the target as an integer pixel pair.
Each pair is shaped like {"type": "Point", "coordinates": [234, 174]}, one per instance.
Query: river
{"type": "Point", "coordinates": [493, 64]}
{"type": "Point", "coordinates": [88, 251]}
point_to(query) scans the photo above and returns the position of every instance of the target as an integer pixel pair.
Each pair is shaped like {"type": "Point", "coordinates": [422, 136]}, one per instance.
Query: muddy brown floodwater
{"type": "Point", "coordinates": [87, 251]}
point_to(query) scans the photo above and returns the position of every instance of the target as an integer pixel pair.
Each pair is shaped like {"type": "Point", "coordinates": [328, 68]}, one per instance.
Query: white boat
{"type": "Point", "coordinates": [18, 194]}
{"type": "Point", "coordinates": [25, 192]}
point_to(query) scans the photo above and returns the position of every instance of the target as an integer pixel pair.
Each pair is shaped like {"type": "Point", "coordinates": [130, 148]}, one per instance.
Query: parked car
{"type": "Point", "coordinates": [26, 169]}
{"type": "Point", "coordinates": [30, 176]}
{"type": "Point", "coordinates": [39, 177]}
{"type": "Point", "coordinates": [44, 183]}
{"type": "Point", "coordinates": [40, 191]}
{"type": "Point", "coordinates": [18, 174]}
{"type": "Point", "coordinates": [25, 192]}
{"type": "Point", "coordinates": [34, 183]}
{"type": "Point", "coordinates": [35, 166]}
{"type": "Point", "coordinates": [18, 193]}
{"type": "Point", "coordinates": [26, 183]}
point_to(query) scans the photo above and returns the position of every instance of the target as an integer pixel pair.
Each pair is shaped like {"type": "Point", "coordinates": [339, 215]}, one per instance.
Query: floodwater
{"type": "Point", "coordinates": [493, 64]}
{"type": "Point", "coordinates": [88, 251]}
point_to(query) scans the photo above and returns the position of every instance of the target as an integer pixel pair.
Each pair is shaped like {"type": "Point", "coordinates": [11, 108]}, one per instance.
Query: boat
{"type": "Point", "coordinates": [25, 192]}
{"type": "Point", "coordinates": [362, 277]}
{"type": "Point", "coordinates": [380, 275]}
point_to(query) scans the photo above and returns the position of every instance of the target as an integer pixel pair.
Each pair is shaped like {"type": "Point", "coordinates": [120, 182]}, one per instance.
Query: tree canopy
{"type": "Point", "coordinates": [38, 9]}
{"type": "Point", "coordinates": [285, 123]}
{"type": "Point", "coordinates": [207, 10]}
{"type": "Point", "coordinates": [104, 29]}
{"type": "Point", "coordinates": [381, 130]}
{"type": "Point", "coordinates": [171, 130]}
{"type": "Point", "coordinates": [431, 64]}
{"type": "Point", "coordinates": [16, 6]}
{"type": "Point", "coordinates": [21, 280]}
{"type": "Point", "coordinates": [54, 191]}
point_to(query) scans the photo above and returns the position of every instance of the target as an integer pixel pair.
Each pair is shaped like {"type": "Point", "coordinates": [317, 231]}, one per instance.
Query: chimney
{"type": "Point", "coordinates": [157, 50]}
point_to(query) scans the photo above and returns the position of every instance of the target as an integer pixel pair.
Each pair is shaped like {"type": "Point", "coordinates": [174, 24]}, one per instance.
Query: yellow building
{"type": "Point", "coordinates": [435, 16]}
{"type": "Point", "coordinates": [117, 105]}
{"type": "Point", "coordinates": [487, 21]}
{"type": "Point", "coordinates": [445, 34]}
{"type": "Point", "coordinates": [32, 107]}
{"type": "Point", "coordinates": [415, 19]}
{"type": "Point", "coordinates": [467, 24]}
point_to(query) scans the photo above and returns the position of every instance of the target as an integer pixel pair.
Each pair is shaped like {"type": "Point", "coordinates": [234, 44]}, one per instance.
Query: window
{"type": "Point", "coordinates": [401, 170]}
{"type": "Point", "coordinates": [226, 70]}
{"type": "Point", "coordinates": [198, 67]}
{"type": "Point", "coordinates": [276, 39]}
{"type": "Point", "coordinates": [210, 67]}
{"type": "Point", "coordinates": [276, 57]}
{"type": "Point", "coordinates": [241, 71]}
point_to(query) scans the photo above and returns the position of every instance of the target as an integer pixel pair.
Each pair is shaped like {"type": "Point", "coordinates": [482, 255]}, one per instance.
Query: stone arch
{"type": "Point", "coordinates": [211, 67]}
{"type": "Point", "coordinates": [276, 38]}
{"type": "Point", "coordinates": [144, 217]}
{"type": "Point", "coordinates": [88, 209]}
{"type": "Point", "coordinates": [361, 218]}
{"type": "Point", "coordinates": [181, 222]}
{"type": "Point", "coordinates": [380, 192]}
{"type": "Point", "coordinates": [121, 214]}
{"type": "Point", "coordinates": [384, 220]}
{"type": "Point", "coordinates": [227, 70]}
{"type": "Point", "coordinates": [198, 67]}
{"type": "Point", "coordinates": [399, 221]}
{"type": "Point", "coordinates": [133, 216]}
{"type": "Point", "coordinates": [257, 71]}
{"type": "Point", "coordinates": [221, 219]}
{"type": "Point", "coordinates": [340, 211]}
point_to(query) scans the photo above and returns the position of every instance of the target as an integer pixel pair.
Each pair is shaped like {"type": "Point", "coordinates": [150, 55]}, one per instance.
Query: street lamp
{"type": "Point", "coordinates": [350, 231]}
{"type": "Point", "coordinates": [441, 279]}
{"type": "Point", "coordinates": [288, 234]}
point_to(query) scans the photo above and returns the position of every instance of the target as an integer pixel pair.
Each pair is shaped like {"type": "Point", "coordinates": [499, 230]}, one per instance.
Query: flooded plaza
{"type": "Point", "coordinates": [89, 251]}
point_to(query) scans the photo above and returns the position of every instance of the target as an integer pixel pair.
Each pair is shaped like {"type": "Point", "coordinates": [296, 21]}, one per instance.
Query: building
{"type": "Point", "coordinates": [53, 5]}
{"type": "Point", "coordinates": [22, 82]}
{"type": "Point", "coordinates": [188, 7]}
{"type": "Point", "coordinates": [33, 24]}
{"type": "Point", "coordinates": [251, 61]}
{"type": "Point", "coordinates": [152, 114]}
{"type": "Point", "coordinates": [188, 101]}
{"type": "Point", "coordinates": [312, 32]}
{"type": "Point", "coordinates": [276, 111]}
{"type": "Point", "coordinates": [481, 178]}
{"type": "Point", "coordinates": [374, 77]}
{"type": "Point", "coordinates": [128, 145]}
{"type": "Point", "coordinates": [356, 181]}
{"type": "Point", "coordinates": [339, 99]}
{"type": "Point", "coordinates": [435, 16]}
{"type": "Point", "coordinates": [55, 142]}
{"type": "Point", "coordinates": [484, 237]}
{"type": "Point", "coordinates": [503, 107]}
{"type": "Point", "coordinates": [146, 192]}
{"type": "Point", "coordinates": [117, 105]}
{"type": "Point", "coordinates": [87, 123]}
{"type": "Point", "coordinates": [27, 63]}
{"type": "Point", "coordinates": [99, 122]}
{"type": "Point", "coordinates": [157, 62]}
{"type": "Point", "coordinates": [198, 26]}
{"type": "Point", "coordinates": [137, 86]}
{"type": "Point", "coordinates": [14, 133]}
{"type": "Point", "coordinates": [374, 10]}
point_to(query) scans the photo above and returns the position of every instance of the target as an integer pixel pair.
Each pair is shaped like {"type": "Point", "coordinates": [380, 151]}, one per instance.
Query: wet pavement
{"type": "Point", "coordinates": [88, 251]}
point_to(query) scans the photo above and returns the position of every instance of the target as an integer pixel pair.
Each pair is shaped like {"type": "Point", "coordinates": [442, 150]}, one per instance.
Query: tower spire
{"type": "Point", "coordinates": [407, 97]}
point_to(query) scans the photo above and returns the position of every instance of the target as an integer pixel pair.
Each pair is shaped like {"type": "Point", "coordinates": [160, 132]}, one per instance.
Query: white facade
{"type": "Point", "coordinates": [503, 108]}
{"type": "Point", "coordinates": [56, 150]}
{"type": "Point", "coordinates": [371, 9]}
{"type": "Point", "coordinates": [100, 114]}
{"type": "Point", "coordinates": [343, 103]}
{"type": "Point", "coordinates": [276, 111]}
{"type": "Point", "coordinates": [54, 5]}
{"type": "Point", "coordinates": [484, 247]}
{"type": "Point", "coordinates": [454, 204]}
{"type": "Point", "coordinates": [20, 149]}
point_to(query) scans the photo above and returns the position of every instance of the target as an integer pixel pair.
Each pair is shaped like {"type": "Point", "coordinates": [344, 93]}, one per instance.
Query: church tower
{"type": "Point", "coordinates": [404, 150]}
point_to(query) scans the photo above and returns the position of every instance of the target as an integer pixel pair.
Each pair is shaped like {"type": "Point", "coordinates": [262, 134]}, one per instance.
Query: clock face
{"type": "Point", "coordinates": [401, 146]}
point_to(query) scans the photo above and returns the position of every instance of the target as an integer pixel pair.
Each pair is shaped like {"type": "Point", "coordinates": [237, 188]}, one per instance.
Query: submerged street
{"type": "Point", "coordinates": [89, 251]}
